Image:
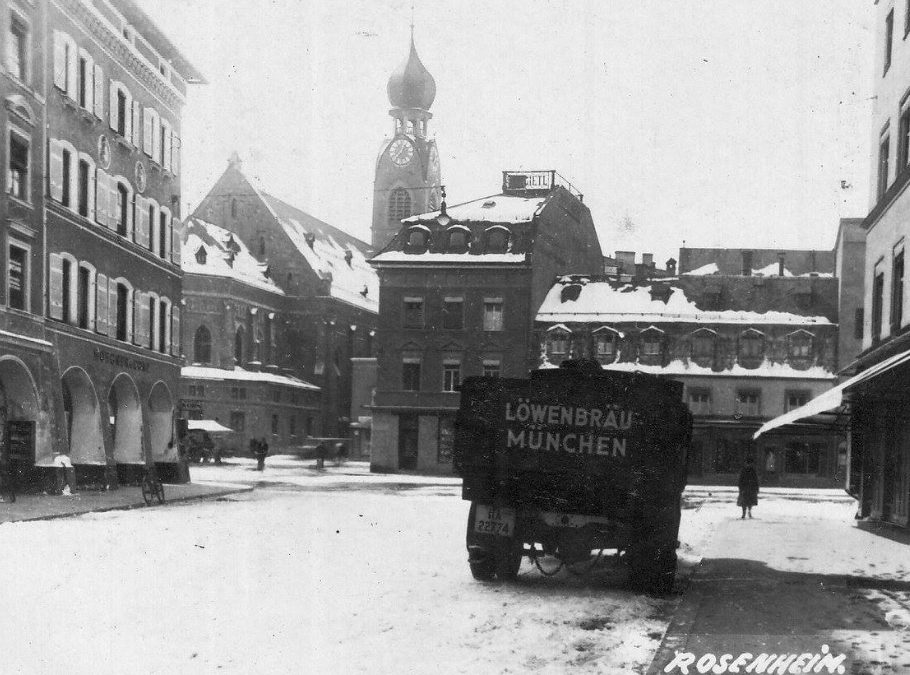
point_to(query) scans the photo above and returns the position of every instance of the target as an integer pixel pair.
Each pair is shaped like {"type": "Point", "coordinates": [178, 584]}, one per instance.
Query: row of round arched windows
{"type": "Point", "coordinates": [459, 239]}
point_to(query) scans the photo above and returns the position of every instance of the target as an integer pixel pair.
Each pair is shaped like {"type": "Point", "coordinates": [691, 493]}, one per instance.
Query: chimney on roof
{"type": "Point", "coordinates": [647, 259]}
{"type": "Point", "coordinates": [625, 262]}
{"type": "Point", "coordinates": [348, 256]}
{"type": "Point", "coordinates": [235, 162]}
{"type": "Point", "coordinates": [309, 238]}
{"type": "Point", "coordinates": [747, 263]}
{"type": "Point", "coordinates": [780, 263]}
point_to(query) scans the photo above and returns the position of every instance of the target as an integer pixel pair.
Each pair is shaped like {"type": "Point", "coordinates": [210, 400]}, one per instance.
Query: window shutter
{"type": "Point", "coordinates": [55, 286]}
{"type": "Point", "coordinates": [168, 238]}
{"type": "Point", "coordinates": [60, 60]}
{"type": "Point", "coordinates": [88, 87]}
{"type": "Point", "coordinates": [136, 138]}
{"type": "Point", "coordinates": [142, 221]}
{"type": "Point", "coordinates": [92, 299]}
{"type": "Point", "coordinates": [112, 105]}
{"type": "Point", "coordinates": [128, 117]}
{"type": "Point", "coordinates": [72, 70]}
{"type": "Point", "coordinates": [99, 92]}
{"type": "Point", "coordinates": [102, 323]}
{"type": "Point", "coordinates": [175, 154]}
{"type": "Point", "coordinates": [56, 170]}
{"type": "Point", "coordinates": [112, 308]}
{"type": "Point", "coordinates": [153, 322]}
{"type": "Point", "coordinates": [130, 234]}
{"type": "Point", "coordinates": [101, 197]}
{"type": "Point", "coordinates": [156, 140]}
{"type": "Point", "coordinates": [130, 312]}
{"type": "Point", "coordinates": [166, 145]}
{"type": "Point", "coordinates": [175, 244]}
{"type": "Point", "coordinates": [113, 203]}
{"type": "Point", "coordinates": [175, 330]}
{"type": "Point", "coordinates": [147, 131]}
{"type": "Point", "coordinates": [141, 334]}
{"type": "Point", "coordinates": [90, 193]}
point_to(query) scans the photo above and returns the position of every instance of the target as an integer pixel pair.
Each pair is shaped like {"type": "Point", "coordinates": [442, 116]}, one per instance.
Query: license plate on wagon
{"type": "Point", "coordinates": [499, 521]}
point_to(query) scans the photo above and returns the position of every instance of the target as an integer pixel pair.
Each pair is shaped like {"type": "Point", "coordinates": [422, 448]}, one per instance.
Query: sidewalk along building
{"type": "Point", "coordinates": [238, 368]}
{"type": "Point", "coordinates": [330, 292]}
{"type": "Point", "coordinates": [93, 278]}
{"type": "Point", "coordinates": [459, 290]}
{"type": "Point", "coordinates": [746, 348]}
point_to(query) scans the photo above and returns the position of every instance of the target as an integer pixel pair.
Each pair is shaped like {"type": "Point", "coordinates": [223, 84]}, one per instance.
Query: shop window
{"type": "Point", "coordinates": [410, 375]}
{"type": "Point", "coordinates": [238, 421]}
{"type": "Point", "coordinates": [17, 176]}
{"type": "Point", "coordinates": [803, 458]}
{"type": "Point", "coordinates": [451, 376]}
{"type": "Point", "coordinates": [493, 314]}
{"type": "Point", "coordinates": [453, 313]}
{"type": "Point", "coordinates": [700, 401]}
{"type": "Point", "coordinates": [413, 312]}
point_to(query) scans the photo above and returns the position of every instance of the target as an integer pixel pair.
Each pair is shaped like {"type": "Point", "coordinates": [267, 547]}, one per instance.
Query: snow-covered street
{"type": "Point", "coordinates": [334, 572]}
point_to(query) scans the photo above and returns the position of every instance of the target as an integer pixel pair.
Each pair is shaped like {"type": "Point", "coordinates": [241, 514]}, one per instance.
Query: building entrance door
{"type": "Point", "coordinates": [407, 442]}
{"type": "Point", "coordinates": [900, 493]}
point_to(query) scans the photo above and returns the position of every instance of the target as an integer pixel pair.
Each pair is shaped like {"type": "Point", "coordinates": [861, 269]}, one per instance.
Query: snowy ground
{"type": "Point", "coordinates": [338, 572]}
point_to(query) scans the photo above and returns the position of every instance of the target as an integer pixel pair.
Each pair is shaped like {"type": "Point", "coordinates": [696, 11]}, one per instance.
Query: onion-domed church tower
{"type": "Point", "coordinates": [407, 169]}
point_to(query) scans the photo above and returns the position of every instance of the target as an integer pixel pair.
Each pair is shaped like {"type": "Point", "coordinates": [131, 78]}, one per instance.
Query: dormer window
{"type": "Point", "coordinates": [799, 345]}
{"type": "Point", "coordinates": [418, 238]}
{"type": "Point", "coordinates": [751, 348]}
{"type": "Point", "coordinates": [702, 343]}
{"type": "Point", "coordinates": [605, 344]}
{"type": "Point", "coordinates": [459, 238]}
{"type": "Point", "coordinates": [497, 240]}
{"type": "Point", "coordinates": [201, 255]}
{"type": "Point", "coordinates": [651, 347]}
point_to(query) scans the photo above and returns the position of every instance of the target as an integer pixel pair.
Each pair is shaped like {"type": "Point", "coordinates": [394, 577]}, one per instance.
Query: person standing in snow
{"type": "Point", "coordinates": [748, 487]}
{"type": "Point", "coordinates": [262, 451]}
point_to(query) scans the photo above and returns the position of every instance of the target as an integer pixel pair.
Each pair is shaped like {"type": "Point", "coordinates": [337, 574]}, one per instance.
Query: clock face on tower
{"type": "Point", "coordinates": [401, 151]}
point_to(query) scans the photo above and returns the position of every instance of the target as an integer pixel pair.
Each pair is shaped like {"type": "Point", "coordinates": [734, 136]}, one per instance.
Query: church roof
{"type": "Point", "coordinates": [213, 251]}
{"type": "Point", "coordinates": [411, 85]}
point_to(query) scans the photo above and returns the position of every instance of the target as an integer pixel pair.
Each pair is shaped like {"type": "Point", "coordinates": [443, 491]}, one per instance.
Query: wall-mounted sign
{"type": "Point", "coordinates": [104, 152]}
{"type": "Point", "coordinates": [140, 176]}
{"type": "Point", "coordinates": [120, 360]}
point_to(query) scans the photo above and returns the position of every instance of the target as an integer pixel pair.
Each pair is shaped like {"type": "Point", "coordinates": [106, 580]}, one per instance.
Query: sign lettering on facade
{"type": "Point", "coordinates": [120, 360]}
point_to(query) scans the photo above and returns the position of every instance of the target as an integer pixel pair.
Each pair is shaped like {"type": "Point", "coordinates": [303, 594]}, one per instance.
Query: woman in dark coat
{"type": "Point", "coordinates": [748, 487]}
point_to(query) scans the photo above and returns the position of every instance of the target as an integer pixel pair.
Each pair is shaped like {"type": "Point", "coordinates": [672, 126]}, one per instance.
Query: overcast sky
{"type": "Point", "coordinates": [716, 122]}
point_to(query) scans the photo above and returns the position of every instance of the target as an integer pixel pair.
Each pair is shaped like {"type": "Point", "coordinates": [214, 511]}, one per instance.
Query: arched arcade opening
{"type": "Point", "coordinates": [126, 421]}
{"type": "Point", "coordinates": [161, 424]}
{"type": "Point", "coordinates": [83, 418]}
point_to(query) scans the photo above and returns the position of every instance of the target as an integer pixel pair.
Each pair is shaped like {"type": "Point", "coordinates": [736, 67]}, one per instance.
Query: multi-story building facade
{"type": "Point", "coordinates": [459, 292]}
{"type": "Point", "coordinates": [330, 294]}
{"type": "Point", "coordinates": [92, 242]}
{"type": "Point", "coordinates": [747, 347]}
{"type": "Point", "coordinates": [877, 394]}
{"type": "Point", "coordinates": [238, 371]}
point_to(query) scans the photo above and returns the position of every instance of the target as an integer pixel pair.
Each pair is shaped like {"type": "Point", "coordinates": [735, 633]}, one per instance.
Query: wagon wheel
{"type": "Point", "coordinates": [159, 491]}
{"type": "Point", "coordinates": [148, 490]}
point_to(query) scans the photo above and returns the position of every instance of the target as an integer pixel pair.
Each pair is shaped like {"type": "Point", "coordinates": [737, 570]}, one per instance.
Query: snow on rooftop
{"type": "Point", "coordinates": [242, 375]}
{"type": "Point", "coordinates": [704, 270]}
{"type": "Point", "coordinates": [768, 369]}
{"type": "Point", "coordinates": [600, 301]}
{"type": "Point", "coordinates": [213, 240]}
{"type": "Point", "coordinates": [427, 257]}
{"type": "Point", "coordinates": [495, 209]}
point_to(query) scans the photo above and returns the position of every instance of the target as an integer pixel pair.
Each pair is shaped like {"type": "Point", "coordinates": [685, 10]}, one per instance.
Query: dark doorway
{"type": "Point", "coordinates": [407, 442]}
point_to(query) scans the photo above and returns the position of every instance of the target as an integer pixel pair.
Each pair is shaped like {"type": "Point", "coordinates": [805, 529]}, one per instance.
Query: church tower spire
{"type": "Point", "coordinates": [407, 170]}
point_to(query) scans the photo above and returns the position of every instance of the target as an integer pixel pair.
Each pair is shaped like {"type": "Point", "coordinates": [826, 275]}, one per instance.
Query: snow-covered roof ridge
{"type": "Point", "coordinates": [498, 208]}
{"type": "Point", "coordinates": [441, 257]}
{"type": "Point", "coordinates": [767, 369]}
{"type": "Point", "coordinates": [242, 375]}
{"type": "Point", "coordinates": [611, 301]}
{"type": "Point", "coordinates": [332, 253]}
{"type": "Point", "coordinates": [224, 256]}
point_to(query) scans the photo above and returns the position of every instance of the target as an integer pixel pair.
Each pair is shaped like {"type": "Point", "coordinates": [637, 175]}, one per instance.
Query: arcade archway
{"type": "Point", "coordinates": [83, 418]}
{"type": "Point", "coordinates": [19, 403]}
{"type": "Point", "coordinates": [126, 420]}
{"type": "Point", "coordinates": [160, 423]}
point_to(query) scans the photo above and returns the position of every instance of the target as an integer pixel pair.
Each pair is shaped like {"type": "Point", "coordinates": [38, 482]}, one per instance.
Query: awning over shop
{"type": "Point", "coordinates": [833, 398]}
{"type": "Point", "coordinates": [210, 426]}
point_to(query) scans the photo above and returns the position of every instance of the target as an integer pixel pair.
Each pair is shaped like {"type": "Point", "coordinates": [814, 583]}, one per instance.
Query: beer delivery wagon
{"type": "Point", "coordinates": [572, 461]}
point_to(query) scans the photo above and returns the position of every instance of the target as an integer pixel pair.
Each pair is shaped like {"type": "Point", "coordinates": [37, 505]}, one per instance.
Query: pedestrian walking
{"type": "Point", "coordinates": [320, 455]}
{"type": "Point", "coordinates": [262, 451]}
{"type": "Point", "coordinates": [748, 488]}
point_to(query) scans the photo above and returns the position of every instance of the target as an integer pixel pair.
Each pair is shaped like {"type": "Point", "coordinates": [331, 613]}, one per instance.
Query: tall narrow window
{"type": "Point", "coordinates": [66, 198]}
{"type": "Point", "coordinates": [122, 209]}
{"type": "Point", "coordinates": [748, 403]}
{"type": "Point", "coordinates": [903, 139]}
{"type": "Point", "coordinates": [82, 187]}
{"type": "Point", "coordinates": [889, 39]}
{"type": "Point", "coordinates": [399, 206]}
{"type": "Point", "coordinates": [878, 291]}
{"type": "Point", "coordinates": [17, 278]}
{"type": "Point", "coordinates": [83, 289]}
{"type": "Point", "coordinates": [202, 346]}
{"type": "Point", "coordinates": [67, 289]}
{"type": "Point", "coordinates": [17, 177]}
{"type": "Point", "coordinates": [451, 376]}
{"type": "Point", "coordinates": [83, 74]}
{"type": "Point", "coordinates": [453, 313]}
{"type": "Point", "coordinates": [884, 150]}
{"type": "Point", "coordinates": [122, 311]}
{"type": "Point", "coordinates": [122, 112]}
{"type": "Point", "coordinates": [238, 347]}
{"type": "Point", "coordinates": [492, 314]}
{"type": "Point", "coordinates": [17, 49]}
{"type": "Point", "coordinates": [897, 292]}
{"type": "Point", "coordinates": [162, 233]}
{"type": "Point", "coordinates": [410, 375]}
{"type": "Point", "coordinates": [413, 313]}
